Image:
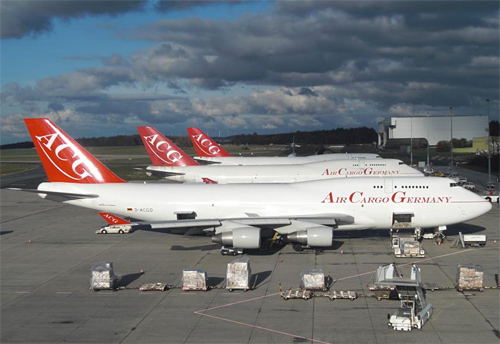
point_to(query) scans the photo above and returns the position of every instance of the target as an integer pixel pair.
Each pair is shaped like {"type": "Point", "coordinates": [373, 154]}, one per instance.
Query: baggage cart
{"type": "Point", "coordinates": [238, 274]}
{"type": "Point", "coordinates": [340, 294]}
{"type": "Point", "coordinates": [313, 279]}
{"type": "Point", "coordinates": [153, 287]}
{"type": "Point", "coordinates": [296, 294]}
{"type": "Point", "coordinates": [469, 277]}
{"type": "Point", "coordinates": [103, 276]}
{"type": "Point", "coordinates": [194, 280]}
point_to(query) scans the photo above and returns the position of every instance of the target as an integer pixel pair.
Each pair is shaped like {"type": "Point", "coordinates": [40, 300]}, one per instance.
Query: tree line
{"type": "Point", "coordinates": [334, 136]}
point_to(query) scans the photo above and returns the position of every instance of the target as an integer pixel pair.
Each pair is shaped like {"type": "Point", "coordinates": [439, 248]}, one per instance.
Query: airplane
{"type": "Point", "coordinates": [210, 152]}
{"type": "Point", "coordinates": [245, 216]}
{"type": "Point", "coordinates": [171, 163]}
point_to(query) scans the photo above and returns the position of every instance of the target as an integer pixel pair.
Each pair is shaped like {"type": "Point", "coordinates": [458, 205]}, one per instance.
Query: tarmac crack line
{"type": "Point", "coordinates": [39, 212]}
{"type": "Point", "coordinates": [267, 289]}
{"type": "Point", "coordinates": [366, 299]}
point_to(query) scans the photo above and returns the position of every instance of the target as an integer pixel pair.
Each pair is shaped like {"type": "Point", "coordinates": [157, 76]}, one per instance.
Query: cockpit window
{"type": "Point", "coordinates": [452, 185]}
{"type": "Point", "coordinates": [401, 163]}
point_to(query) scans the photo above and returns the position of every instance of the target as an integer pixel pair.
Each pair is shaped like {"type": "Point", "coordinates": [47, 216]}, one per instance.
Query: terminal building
{"type": "Point", "coordinates": [432, 129]}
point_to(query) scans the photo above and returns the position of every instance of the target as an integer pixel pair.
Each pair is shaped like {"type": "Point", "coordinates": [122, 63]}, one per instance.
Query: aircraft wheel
{"type": "Point", "coordinates": [298, 248]}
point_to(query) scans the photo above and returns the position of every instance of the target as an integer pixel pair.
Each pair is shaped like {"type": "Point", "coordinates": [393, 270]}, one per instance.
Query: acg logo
{"type": "Point", "coordinates": [205, 145]}
{"type": "Point", "coordinates": [111, 218]}
{"type": "Point", "coordinates": [172, 155]}
{"type": "Point", "coordinates": [62, 153]}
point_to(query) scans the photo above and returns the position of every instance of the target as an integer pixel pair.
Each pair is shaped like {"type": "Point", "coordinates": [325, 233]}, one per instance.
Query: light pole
{"type": "Point", "coordinates": [411, 141]}
{"type": "Point", "coordinates": [489, 150]}
{"type": "Point", "coordinates": [451, 139]}
{"type": "Point", "coordinates": [428, 123]}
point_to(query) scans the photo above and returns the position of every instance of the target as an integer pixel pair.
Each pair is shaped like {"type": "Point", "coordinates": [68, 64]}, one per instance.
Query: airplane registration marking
{"type": "Point", "coordinates": [143, 210]}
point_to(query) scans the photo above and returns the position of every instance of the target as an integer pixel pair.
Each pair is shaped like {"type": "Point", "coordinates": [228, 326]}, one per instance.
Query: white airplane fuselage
{"type": "Point", "coordinates": [228, 174]}
{"type": "Point", "coordinates": [284, 160]}
{"type": "Point", "coordinates": [370, 201]}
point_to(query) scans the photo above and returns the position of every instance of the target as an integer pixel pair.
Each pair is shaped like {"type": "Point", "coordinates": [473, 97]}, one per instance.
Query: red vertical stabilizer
{"type": "Point", "coordinates": [204, 145]}
{"type": "Point", "coordinates": [162, 151]}
{"type": "Point", "coordinates": [63, 159]}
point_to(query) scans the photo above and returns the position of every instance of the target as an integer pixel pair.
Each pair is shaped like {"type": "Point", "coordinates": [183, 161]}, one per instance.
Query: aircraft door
{"type": "Point", "coordinates": [388, 186]}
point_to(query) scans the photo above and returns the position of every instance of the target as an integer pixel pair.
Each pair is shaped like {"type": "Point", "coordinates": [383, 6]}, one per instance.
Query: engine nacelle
{"type": "Point", "coordinates": [244, 237]}
{"type": "Point", "coordinates": [314, 237]}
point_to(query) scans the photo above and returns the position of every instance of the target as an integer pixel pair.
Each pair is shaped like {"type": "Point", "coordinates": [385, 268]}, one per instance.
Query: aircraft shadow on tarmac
{"type": "Point", "coordinates": [465, 228]}
{"type": "Point", "coordinates": [6, 232]}
{"type": "Point", "coordinates": [195, 248]}
{"type": "Point", "coordinates": [129, 279]}
{"type": "Point", "coordinates": [257, 279]}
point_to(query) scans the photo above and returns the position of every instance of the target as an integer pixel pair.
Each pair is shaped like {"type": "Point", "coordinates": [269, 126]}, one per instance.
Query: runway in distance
{"type": "Point", "coordinates": [210, 152]}
{"type": "Point", "coordinates": [248, 216]}
{"type": "Point", "coordinates": [171, 163]}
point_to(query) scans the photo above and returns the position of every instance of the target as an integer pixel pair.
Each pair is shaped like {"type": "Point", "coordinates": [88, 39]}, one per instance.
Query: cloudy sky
{"type": "Point", "coordinates": [101, 68]}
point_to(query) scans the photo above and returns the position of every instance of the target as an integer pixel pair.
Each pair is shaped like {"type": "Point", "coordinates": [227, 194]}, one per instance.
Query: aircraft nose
{"type": "Point", "coordinates": [486, 207]}
{"type": "Point", "coordinates": [482, 206]}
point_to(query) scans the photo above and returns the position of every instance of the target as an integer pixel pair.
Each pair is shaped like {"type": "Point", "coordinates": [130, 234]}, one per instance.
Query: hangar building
{"type": "Point", "coordinates": [433, 129]}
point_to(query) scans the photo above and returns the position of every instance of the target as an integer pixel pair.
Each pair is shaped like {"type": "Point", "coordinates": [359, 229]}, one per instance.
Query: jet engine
{"type": "Point", "coordinates": [243, 237]}
{"type": "Point", "coordinates": [313, 237]}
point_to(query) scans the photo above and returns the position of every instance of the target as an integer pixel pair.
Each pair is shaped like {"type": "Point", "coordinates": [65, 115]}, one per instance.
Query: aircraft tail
{"type": "Point", "coordinates": [162, 151]}
{"type": "Point", "coordinates": [204, 145]}
{"type": "Point", "coordinates": [63, 159]}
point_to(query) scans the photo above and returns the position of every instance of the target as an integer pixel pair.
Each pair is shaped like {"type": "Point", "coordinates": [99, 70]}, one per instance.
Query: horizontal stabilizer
{"type": "Point", "coordinates": [113, 219]}
{"type": "Point", "coordinates": [67, 195]}
{"type": "Point", "coordinates": [162, 174]}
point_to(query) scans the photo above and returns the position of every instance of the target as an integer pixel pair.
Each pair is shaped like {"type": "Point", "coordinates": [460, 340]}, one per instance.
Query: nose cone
{"type": "Point", "coordinates": [479, 206]}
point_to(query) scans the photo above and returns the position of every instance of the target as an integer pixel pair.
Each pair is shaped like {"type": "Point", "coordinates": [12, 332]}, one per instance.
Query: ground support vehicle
{"type": "Point", "coordinates": [405, 245]}
{"type": "Point", "coordinates": [115, 229]}
{"type": "Point", "coordinates": [491, 198]}
{"type": "Point", "coordinates": [230, 251]}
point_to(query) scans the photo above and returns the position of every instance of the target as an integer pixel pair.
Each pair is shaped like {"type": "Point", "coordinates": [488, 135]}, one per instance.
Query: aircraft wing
{"type": "Point", "coordinates": [275, 223]}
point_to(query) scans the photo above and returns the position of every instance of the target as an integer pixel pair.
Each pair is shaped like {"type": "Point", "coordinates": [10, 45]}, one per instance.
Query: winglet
{"type": "Point", "coordinates": [113, 219]}
{"type": "Point", "coordinates": [64, 159]}
{"type": "Point", "coordinates": [204, 145]}
{"type": "Point", "coordinates": [208, 181]}
{"type": "Point", "coordinates": [162, 151]}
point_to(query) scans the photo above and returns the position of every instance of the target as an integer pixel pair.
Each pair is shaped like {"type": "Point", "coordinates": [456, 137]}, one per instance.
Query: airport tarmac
{"type": "Point", "coordinates": [47, 250]}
